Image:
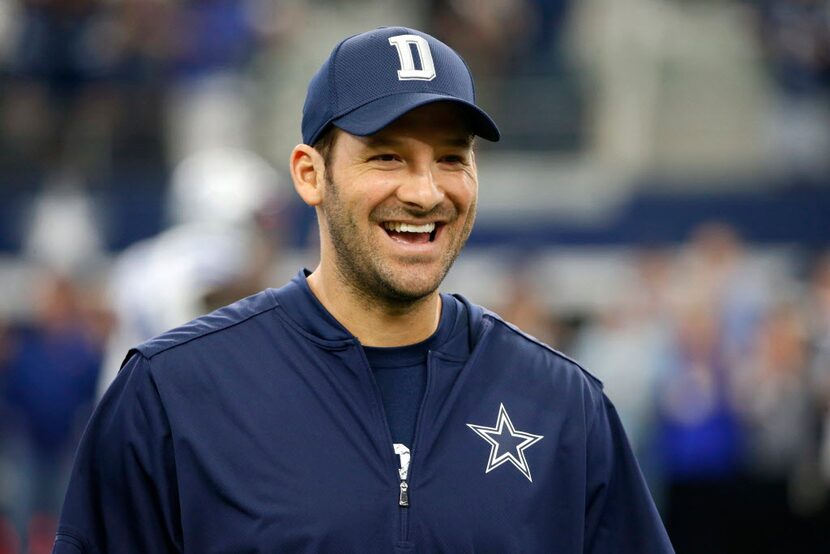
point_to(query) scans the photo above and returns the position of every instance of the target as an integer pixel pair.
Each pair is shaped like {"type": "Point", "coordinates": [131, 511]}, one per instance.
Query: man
{"type": "Point", "coordinates": [356, 409]}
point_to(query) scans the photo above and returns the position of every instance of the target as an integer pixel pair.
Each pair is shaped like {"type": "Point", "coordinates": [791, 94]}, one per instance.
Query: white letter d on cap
{"type": "Point", "coordinates": [407, 72]}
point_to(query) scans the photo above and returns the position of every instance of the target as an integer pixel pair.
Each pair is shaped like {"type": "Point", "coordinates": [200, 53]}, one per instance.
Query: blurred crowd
{"type": "Point", "coordinates": [92, 86]}
{"type": "Point", "coordinates": [89, 84]}
{"type": "Point", "coordinates": [719, 365]}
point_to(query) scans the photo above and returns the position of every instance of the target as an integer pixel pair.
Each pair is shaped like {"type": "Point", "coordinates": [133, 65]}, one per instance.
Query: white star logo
{"type": "Point", "coordinates": [506, 446]}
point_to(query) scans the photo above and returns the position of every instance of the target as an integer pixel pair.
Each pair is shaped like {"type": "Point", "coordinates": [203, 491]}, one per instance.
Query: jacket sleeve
{"type": "Point", "coordinates": [621, 516]}
{"type": "Point", "coordinates": [122, 495]}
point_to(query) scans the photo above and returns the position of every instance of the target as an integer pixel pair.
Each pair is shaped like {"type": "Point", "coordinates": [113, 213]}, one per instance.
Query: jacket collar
{"type": "Point", "coordinates": [300, 305]}
{"type": "Point", "coordinates": [306, 312]}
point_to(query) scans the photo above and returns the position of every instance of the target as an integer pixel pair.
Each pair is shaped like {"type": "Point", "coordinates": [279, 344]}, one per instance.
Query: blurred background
{"type": "Point", "coordinates": [659, 208]}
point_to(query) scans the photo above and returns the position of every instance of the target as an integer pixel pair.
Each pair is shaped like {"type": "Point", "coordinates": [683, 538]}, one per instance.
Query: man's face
{"type": "Point", "coordinates": [399, 205]}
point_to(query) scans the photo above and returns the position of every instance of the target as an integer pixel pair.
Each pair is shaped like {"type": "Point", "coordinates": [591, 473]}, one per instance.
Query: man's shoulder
{"type": "Point", "coordinates": [223, 320]}
{"type": "Point", "coordinates": [522, 344]}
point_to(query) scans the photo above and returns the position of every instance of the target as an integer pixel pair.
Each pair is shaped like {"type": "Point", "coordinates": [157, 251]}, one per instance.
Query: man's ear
{"type": "Point", "coordinates": [308, 171]}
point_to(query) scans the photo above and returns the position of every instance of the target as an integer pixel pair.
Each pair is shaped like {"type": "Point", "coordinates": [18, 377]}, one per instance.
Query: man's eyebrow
{"type": "Point", "coordinates": [374, 141]}
{"type": "Point", "coordinates": [461, 141]}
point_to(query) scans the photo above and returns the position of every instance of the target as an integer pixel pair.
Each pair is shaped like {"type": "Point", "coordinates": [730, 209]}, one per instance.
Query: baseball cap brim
{"type": "Point", "coordinates": [377, 114]}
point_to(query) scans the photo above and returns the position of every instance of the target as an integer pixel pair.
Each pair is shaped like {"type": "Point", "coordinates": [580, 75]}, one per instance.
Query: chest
{"type": "Point", "coordinates": [298, 458]}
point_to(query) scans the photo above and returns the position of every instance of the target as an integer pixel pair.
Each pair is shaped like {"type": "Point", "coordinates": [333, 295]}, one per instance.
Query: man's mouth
{"type": "Point", "coordinates": [411, 233]}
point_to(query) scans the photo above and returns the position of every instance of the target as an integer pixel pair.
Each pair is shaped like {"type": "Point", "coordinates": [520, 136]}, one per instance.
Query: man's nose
{"type": "Point", "coordinates": [421, 190]}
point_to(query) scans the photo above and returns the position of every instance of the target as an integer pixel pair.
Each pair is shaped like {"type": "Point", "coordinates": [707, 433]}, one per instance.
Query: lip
{"type": "Point", "coordinates": [438, 222]}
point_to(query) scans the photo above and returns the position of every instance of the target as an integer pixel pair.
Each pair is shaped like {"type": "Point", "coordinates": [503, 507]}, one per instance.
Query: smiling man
{"type": "Point", "coordinates": [395, 208]}
{"type": "Point", "coordinates": [357, 409]}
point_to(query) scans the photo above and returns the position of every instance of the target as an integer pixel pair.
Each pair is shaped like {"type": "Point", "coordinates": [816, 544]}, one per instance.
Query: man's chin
{"type": "Point", "coordinates": [410, 289]}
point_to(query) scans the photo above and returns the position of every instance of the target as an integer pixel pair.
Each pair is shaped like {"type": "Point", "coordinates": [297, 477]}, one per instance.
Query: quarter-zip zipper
{"type": "Point", "coordinates": [403, 499]}
{"type": "Point", "coordinates": [404, 484]}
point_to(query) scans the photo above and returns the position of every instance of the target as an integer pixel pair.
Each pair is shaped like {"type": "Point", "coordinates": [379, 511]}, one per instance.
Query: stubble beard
{"type": "Point", "coordinates": [361, 268]}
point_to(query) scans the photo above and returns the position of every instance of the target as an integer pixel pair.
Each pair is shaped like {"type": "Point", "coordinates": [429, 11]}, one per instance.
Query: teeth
{"type": "Point", "coordinates": [408, 228]}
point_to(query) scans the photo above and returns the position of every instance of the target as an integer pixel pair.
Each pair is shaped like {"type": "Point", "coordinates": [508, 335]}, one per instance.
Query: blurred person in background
{"type": "Point", "coordinates": [818, 317]}
{"type": "Point", "coordinates": [58, 102]}
{"type": "Point", "coordinates": [9, 536]}
{"type": "Point", "coordinates": [718, 303]}
{"type": "Point", "coordinates": [50, 371]}
{"type": "Point", "coordinates": [631, 343]}
{"type": "Point", "coordinates": [778, 404]}
{"type": "Point", "coordinates": [795, 41]}
{"type": "Point", "coordinates": [818, 311]}
{"type": "Point", "coordinates": [62, 228]}
{"type": "Point", "coordinates": [715, 274]}
{"type": "Point", "coordinates": [698, 435]}
{"type": "Point", "coordinates": [224, 205]}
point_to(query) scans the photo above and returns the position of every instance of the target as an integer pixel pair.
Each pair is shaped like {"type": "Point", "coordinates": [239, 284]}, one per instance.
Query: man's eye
{"type": "Point", "coordinates": [453, 159]}
{"type": "Point", "coordinates": [384, 158]}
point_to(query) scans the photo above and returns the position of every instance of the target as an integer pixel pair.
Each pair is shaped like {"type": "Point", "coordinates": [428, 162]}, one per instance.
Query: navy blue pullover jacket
{"type": "Point", "coordinates": [259, 429]}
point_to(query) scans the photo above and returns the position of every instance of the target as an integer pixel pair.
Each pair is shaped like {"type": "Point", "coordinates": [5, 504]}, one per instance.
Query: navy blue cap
{"type": "Point", "coordinates": [373, 78]}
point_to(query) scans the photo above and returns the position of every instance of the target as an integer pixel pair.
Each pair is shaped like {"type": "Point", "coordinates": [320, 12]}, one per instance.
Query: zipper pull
{"type": "Point", "coordinates": [403, 499]}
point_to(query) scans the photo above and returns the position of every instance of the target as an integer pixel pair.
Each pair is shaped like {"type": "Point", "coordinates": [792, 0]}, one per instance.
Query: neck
{"type": "Point", "coordinates": [372, 321]}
